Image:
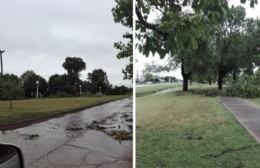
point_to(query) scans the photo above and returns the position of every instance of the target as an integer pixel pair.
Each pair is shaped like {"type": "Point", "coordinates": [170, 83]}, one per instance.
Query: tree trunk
{"type": "Point", "coordinates": [220, 77]}
{"type": "Point", "coordinates": [220, 81]}
{"type": "Point", "coordinates": [185, 83]}
{"type": "Point", "coordinates": [234, 74]}
{"type": "Point", "coordinates": [209, 80]}
{"type": "Point", "coordinates": [185, 77]}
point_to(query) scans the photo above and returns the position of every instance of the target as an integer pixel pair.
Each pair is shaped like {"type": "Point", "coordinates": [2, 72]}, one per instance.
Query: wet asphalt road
{"type": "Point", "coordinates": [66, 142]}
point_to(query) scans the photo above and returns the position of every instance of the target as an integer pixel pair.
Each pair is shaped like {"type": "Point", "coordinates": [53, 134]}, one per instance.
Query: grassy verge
{"type": "Point", "coordinates": [256, 101]}
{"type": "Point", "coordinates": [146, 90]}
{"type": "Point", "coordinates": [24, 110]}
{"type": "Point", "coordinates": [176, 129]}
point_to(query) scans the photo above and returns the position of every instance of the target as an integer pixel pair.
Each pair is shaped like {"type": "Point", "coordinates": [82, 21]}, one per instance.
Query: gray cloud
{"type": "Point", "coordinates": [38, 35]}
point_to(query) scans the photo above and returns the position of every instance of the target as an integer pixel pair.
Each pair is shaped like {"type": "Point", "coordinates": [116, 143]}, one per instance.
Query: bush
{"type": "Point", "coordinates": [246, 86]}
{"type": "Point", "coordinates": [119, 90]}
{"type": "Point", "coordinates": [10, 90]}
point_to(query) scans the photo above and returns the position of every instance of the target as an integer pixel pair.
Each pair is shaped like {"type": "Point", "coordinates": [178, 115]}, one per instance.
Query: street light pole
{"type": "Point", "coordinates": [37, 89]}
{"type": "Point", "coordinates": [1, 60]}
{"type": "Point", "coordinates": [79, 90]}
{"type": "Point", "coordinates": [100, 90]}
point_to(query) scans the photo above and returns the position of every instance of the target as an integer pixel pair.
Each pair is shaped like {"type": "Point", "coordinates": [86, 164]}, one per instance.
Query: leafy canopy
{"type": "Point", "coordinates": [123, 14]}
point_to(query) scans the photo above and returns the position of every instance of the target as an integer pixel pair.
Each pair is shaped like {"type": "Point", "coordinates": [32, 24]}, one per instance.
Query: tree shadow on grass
{"type": "Point", "coordinates": [202, 92]}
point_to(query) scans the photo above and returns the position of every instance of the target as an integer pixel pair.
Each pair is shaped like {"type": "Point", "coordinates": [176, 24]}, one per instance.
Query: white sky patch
{"type": "Point", "coordinates": [39, 34]}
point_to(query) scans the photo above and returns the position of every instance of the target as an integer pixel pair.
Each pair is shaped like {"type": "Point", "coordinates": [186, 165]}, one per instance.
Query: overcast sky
{"type": "Point", "coordinates": [250, 12]}
{"type": "Point", "coordinates": [39, 34]}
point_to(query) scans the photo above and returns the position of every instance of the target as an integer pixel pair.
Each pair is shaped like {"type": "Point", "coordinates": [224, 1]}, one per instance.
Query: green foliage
{"type": "Point", "coordinates": [10, 88]}
{"type": "Point", "coordinates": [97, 79]}
{"type": "Point", "coordinates": [59, 83]}
{"type": "Point", "coordinates": [28, 80]}
{"type": "Point", "coordinates": [74, 65]}
{"type": "Point", "coordinates": [170, 78]}
{"type": "Point", "coordinates": [122, 13]}
{"type": "Point", "coordinates": [246, 86]}
{"type": "Point", "coordinates": [207, 39]}
{"type": "Point", "coordinates": [174, 30]}
{"type": "Point", "coordinates": [119, 90]}
{"type": "Point", "coordinates": [148, 77]}
{"type": "Point", "coordinates": [126, 51]}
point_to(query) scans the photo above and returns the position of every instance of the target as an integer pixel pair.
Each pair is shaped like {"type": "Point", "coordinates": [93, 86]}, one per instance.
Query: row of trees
{"type": "Point", "coordinates": [68, 84]}
{"type": "Point", "coordinates": [152, 73]}
{"type": "Point", "coordinates": [209, 41]}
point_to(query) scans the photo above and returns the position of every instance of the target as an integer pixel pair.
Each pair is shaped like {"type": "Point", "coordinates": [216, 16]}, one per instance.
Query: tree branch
{"type": "Point", "coordinates": [148, 25]}
{"type": "Point", "coordinates": [144, 22]}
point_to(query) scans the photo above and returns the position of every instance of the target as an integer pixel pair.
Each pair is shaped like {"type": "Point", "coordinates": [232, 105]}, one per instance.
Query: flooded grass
{"type": "Point", "coordinates": [177, 129]}
{"type": "Point", "coordinates": [24, 110]}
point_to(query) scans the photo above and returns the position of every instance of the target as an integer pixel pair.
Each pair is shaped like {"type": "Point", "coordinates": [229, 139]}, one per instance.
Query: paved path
{"type": "Point", "coordinates": [246, 113]}
{"type": "Point", "coordinates": [66, 142]}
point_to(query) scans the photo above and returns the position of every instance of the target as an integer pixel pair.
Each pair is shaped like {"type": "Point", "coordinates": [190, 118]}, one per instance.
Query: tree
{"type": "Point", "coordinates": [29, 79]}
{"type": "Point", "coordinates": [119, 90]}
{"type": "Point", "coordinates": [253, 38]}
{"type": "Point", "coordinates": [178, 24]}
{"type": "Point", "coordinates": [53, 82]}
{"type": "Point", "coordinates": [122, 13]}
{"type": "Point", "coordinates": [202, 62]}
{"type": "Point", "coordinates": [230, 43]}
{"type": "Point", "coordinates": [98, 78]}
{"type": "Point", "coordinates": [26, 75]}
{"type": "Point", "coordinates": [170, 79]}
{"type": "Point", "coordinates": [10, 88]}
{"type": "Point", "coordinates": [148, 77]}
{"type": "Point", "coordinates": [60, 83]}
{"type": "Point", "coordinates": [74, 66]}
{"type": "Point", "coordinates": [176, 31]}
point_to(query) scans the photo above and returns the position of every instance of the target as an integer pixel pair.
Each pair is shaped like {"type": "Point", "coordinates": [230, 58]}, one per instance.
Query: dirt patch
{"type": "Point", "coordinates": [119, 125]}
{"type": "Point", "coordinates": [209, 92]}
{"type": "Point", "coordinates": [191, 137]}
{"type": "Point", "coordinates": [73, 129]}
{"type": "Point", "coordinates": [30, 136]}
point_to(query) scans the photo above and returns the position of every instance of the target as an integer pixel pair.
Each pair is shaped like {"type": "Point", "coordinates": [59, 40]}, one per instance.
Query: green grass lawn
{"type": "Point", "coordinates": [30, 109]}
{"type": "Point", "coordinates": [146, 90]}
{"type": "Point", "coordinates": [176, 129]}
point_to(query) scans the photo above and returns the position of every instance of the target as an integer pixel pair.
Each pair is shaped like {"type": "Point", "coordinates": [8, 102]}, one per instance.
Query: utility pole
{"type": "Point", "coordinates": [1, 60]}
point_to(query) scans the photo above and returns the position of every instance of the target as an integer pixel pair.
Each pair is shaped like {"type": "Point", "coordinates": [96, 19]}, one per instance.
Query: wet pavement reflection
{"type": "Point", "coordinates": [68, 141]}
